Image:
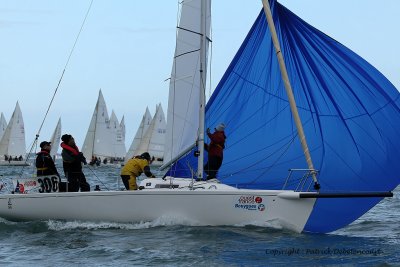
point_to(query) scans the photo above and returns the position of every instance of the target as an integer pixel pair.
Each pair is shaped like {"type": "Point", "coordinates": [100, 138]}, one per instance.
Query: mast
{"type": "Point", "coordinates": [289, 92]}
{"type": "Point", "coordinates": [203, 73]}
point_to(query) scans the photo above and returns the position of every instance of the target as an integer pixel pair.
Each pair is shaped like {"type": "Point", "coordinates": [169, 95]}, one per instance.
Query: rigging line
{"type": "Point", "coordinates": [58, 85]}
{"type": "Point", "coordinates": [98, 177]}
{"type": "Point", "coordinates": [65, 67]}
{"type": "Point", "coordinates": [34, 144]}
{"type": "Point", "coordinates": [285, 148]}
{"type": "Point", "coordinates": [180, 5]}
{"type": "Point", "coordinates": [275, 162]}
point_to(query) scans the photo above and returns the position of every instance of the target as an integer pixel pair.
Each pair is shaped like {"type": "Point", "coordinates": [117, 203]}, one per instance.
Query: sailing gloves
{"type": "Point", "coordinates": [82, 158]}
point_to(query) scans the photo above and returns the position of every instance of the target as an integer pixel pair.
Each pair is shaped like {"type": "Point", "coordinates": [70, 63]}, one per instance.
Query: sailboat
{"type": "Point", "coordinates": [118, 141]}
{"type": "Point", "coordinates": [144, 125]}
{"type": "Point", "coordinates": [98, 138]}
{"type": "Point", "coordinates": [55, 139]}
{"type": "Point", "coordinates": [154, 138]}
{"type": "Point", "coordinates": [122, 129]}
{"type": "Point", "coordinates": [349, 111]}
{"type": "Point", "coordinates": [12, 143]}
{"type": "Point", "coordinates": [3, 125]}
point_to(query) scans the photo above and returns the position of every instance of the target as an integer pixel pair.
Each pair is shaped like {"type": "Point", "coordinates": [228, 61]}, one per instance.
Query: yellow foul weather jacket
{"type": "Point", "coordinates": [134, 167]}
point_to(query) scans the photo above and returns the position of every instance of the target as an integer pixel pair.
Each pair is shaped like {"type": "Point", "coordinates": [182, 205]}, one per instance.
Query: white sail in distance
{"type": "Point", "coordinates": [117, 140]}
{"type": "Point", "coordinates": [55, 139]}
{"type": "Point", "coordinates": [154, 138]}
{"type": "Point", "coordinates": [123, 130]}
{"type": "Point", "coordinates": [3, 125]}
{"type": "Point", "coordinates": [184, 88]}
{"type": "Point", "coordinates": [123, 133]}
{"type": "Point", "coordinates": [97, 141]}
{"type": "Point", "coordinates": [144, 125]}
{"type": "Point", "coordinates": [12, 142]}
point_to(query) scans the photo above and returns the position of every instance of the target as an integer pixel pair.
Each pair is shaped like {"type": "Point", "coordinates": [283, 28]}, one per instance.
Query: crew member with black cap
{"type": "Point", "coordinates": [44, 163]}
{"type": "Point", "coordinates": [72, 164]}
{"type": "Point", "coordinates": [134, 168]}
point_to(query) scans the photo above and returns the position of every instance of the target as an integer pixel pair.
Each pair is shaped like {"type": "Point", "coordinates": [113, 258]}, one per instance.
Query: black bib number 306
{"type": "Point", "coordinates": [48, 184]}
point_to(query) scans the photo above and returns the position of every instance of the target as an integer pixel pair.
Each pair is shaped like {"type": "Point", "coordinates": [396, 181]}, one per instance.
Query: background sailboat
{"type": "Point", "coordinates": [123, 134]}
{"type": "Point", "coordinates": [3, 125]}
{"type": "Point", "coordinates": [144, 125]}
{"type": "Point", "coordinates": [55, 139]}
{"type": "Point", "coordinates": [153, 140]}
{"type": "Point", "coordinates": [118, 142]}
{"type": "Point", "coordinates": [12, 142]}
{"type": "Point", "coordinates": [98, 138]}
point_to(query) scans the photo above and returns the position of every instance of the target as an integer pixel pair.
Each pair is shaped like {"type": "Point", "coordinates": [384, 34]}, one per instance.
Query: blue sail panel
{"type": "Point", "coordinates": [350, 113]}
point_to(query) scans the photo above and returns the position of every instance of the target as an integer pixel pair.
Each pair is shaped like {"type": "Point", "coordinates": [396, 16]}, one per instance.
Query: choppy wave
{"type": "Point", "coordinates": [372, 240]}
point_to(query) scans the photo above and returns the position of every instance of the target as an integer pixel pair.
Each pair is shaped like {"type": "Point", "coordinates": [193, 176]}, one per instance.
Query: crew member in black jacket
{"type": "Point", "coordinates": [72, 164]}
{"type": "Point", "coordinates": [44, 162]}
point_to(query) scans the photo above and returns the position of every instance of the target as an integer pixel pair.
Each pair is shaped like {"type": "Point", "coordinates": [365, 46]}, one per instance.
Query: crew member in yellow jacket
{"type": "Point", "coordinates": [134, 168]}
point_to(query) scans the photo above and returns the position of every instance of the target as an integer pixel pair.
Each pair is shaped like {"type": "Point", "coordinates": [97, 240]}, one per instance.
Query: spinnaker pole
{"type": "Point", "coordinates": [289, 91]}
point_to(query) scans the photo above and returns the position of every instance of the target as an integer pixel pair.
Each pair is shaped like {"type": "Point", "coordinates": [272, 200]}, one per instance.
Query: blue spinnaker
{"type": "Point", "coordinates": [349, 110]}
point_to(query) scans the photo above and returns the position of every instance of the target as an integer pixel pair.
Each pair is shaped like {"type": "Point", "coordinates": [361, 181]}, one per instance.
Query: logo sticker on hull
{"type": "Point", "coordinates": [250, 203]}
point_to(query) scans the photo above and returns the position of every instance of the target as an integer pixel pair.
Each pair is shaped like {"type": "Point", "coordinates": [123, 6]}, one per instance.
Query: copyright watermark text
{"type": "Point", "coordinates": [323, 251]}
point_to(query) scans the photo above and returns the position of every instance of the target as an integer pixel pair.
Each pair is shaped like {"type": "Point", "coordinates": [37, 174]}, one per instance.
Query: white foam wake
{"type": "Point", "coordinates": [162, 221]}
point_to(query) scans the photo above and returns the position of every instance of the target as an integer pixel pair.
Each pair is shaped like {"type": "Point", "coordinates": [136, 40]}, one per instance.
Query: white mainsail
{"type": "Point", "coordinates": [55, 139]}
{"type": "Point", "coordinates": [184, 89]}
{"type": "Point", "coordinates": [154, 138]}
{"type": "Point", "coordinates": [12, 142]}
{"type": "Point", "coordinates": [144, 125]}
{"type": "Point", "coordinates": [3, 125]}
{"type": "Point", "coordinates": [117, 140]}
{"type": "Point", "coordinates": [97, 141]}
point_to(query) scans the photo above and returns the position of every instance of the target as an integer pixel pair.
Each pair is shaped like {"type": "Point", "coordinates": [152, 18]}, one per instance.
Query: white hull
{"type": "Point", "coordinates": [208, 204]}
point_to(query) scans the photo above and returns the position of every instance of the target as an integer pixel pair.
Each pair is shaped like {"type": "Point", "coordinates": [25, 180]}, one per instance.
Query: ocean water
{"type": "Point", "coordinates": [372, 240]}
